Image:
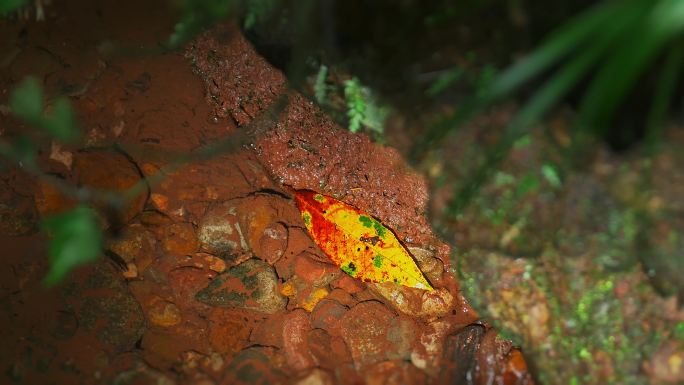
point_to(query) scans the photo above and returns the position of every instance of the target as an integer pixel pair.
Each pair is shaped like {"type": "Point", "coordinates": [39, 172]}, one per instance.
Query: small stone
{"type": "Point", "coordinates": [165, 314]}
{"type": "Point", "coordinates": [432, 267]}
{"type": "Point", "coordinates": [394, 373]}
{"type": "Point", "coordinates": [160, 201]}
{"type": "Point", "coordinates": [327, 315]}
{"type": "Point", "coordinates": [272, 243]}
{"type": "Point", "coordinates": [228, 331]}
{"type": "Point", "coordinates": [110, 171]}
{"type": "Point", "coordinates": [374, 334]}
{"type": "Point", "coordinates": [415, 302]}
{"type": "Point", "coordinates": [256, 365]}
{"type": "Point", "coordinates": [315, 377]}
{"type": "Point", "coordinates": [315, 273]}
{"type": "Point", "coordinates": [251, 285]}
{"type": "Point", "coordinates": [295, 345]}
{"type": "Point", "coordinates": [180, 239]}
{"type": "Point", "coordinates": [348, 284]}
{"type": "Point", "coordinates": [313, 298]}
{"type": "Point", "coordinates": [220, 232]}
{"type": "Point", "coordinates": [302, 295]}
{"type": "Point", "coordinates": [131, 271]}
{"type": "Point", "coordinates": [329, 351]}
{"type": "Point", "coordinates": [427, 354]}
{"type": "Point", "coordinates": [135, 243]}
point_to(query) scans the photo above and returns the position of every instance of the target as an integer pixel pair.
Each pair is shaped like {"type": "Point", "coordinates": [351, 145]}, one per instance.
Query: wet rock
{"type": "Point", "coordinates": [180, 239]}
{"type": "Point", "coordinates": [251, 285]}
{"type": "Point", "coordinates": [394, 373]}
{"type": "Point", "coordinates": [301, 294]}
{"type": "Point", "coordinates": [516, 371]}
{"type": "Point", "coordinates": [315, 377]}
{"type": "Point", "coordinates": [163, 347]}
{"type": "Point", "coordinates": [269, 332]}
{"type": "Point", "coordinates": [246, 226]}
{"type": "Point", "coordinates": [432, 267]}
{"type": "Point", "coordinates": [329, 351]}
{"type": "Point", "coordinates": [220, 232]}
{"type": "Point", "coordinates": [129, 369]}
{"type": "Point", "coordinates": [374, 334]}
{"type": "Point", "coordinates": [108, 170]}
{"type": "Point", "coordinates": [348, 284]}
{"type": "Point", "coordinates": [327, 315]}
{"type": "Point", "coordinates": [343, 297]}
{"type": "Point", "coordinates": [103, 304]}
{"type": "Point", "coordinates": [460, 355]}
{"type": "Point", "coordinates": [415, 302]}
{"type": "Point", "coordinates": [256, 365]}
{"type": "Point", "coordinates": [242, 88]}
{"type": "Point", "coordinates": [338, 163]}
{"type": "Point", "coordinates": [427, 353]}
{"type": "Point", "coordinates": [272, 243]}
{"type": "Point", "coordinates": [164, 314]}
{"type": "Point", "coordinates": [295, 345]}
{"type": "Point", "coordinates": [135, 244]}
{"type": "Point", "coordinates": [315, 273]}
{"type": "Point", "coordinates": [185, 282]}
{"type": "Point", "coordinates": [228, 330]}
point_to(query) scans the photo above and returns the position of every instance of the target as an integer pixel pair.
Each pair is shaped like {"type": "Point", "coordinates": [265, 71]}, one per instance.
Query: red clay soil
{"type": "Point", "coordinates": [210, 276]}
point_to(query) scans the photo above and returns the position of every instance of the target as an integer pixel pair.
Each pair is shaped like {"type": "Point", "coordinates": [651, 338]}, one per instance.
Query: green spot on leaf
{"type": "Point", "coordinates": [370, 222]}
{"type": "Point", "coordinates": [366, 221]}
{"type": "Point", "coordinates": [76, 240]}
{"type": "Point", "coordinates": [319, 198]}
{"type": "Point", "coordinates": [380, 229]}
{"type": "Point", "coordinates": [307, 218]}
{"type": "Point", "coordinates": [349, 269]}
{"type": "Point", "coordinates": [377, 261]}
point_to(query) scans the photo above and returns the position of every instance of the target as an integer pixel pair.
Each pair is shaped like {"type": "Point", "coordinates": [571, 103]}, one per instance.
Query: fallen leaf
{"type": "Point", "coordinates": [358, 243]}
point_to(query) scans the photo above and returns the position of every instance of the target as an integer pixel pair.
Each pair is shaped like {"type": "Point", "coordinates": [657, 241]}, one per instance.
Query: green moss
{"type": "Point", "coordinates": [377, 261]}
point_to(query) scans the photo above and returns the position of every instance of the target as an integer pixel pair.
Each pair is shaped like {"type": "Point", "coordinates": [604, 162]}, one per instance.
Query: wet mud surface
{"type": "Point", "coordinates": [209, 276]}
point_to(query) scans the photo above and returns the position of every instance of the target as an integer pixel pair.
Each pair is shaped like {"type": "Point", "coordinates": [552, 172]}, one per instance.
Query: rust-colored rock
{"type": "Point", "coordinates": [180, 239]}
{"type": "Point", "coordinates": [374, 334]}
{"type": "Point", "coordinates": [228, 331]}
{"type": "Point", "coordinates": [110, 171]}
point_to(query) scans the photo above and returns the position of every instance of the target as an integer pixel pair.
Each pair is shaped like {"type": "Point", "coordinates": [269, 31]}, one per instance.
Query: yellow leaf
{"type": "Point", "coordinates": [358, 243]}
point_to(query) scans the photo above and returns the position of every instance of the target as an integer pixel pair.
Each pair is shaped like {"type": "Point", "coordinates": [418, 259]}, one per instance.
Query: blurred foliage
{"type": "Point", "coordinates": [362, 108]}
{"type": "Point", "coordinates": [76, 239]}
{"type": "Point", "coordinates": [9, 6]}
{"type": "Point", "coordinates": [76, 235]}
{"type": "Point", "coordinates": [27, 103]}
{"type": "Point", "coordinates": [611, 45]}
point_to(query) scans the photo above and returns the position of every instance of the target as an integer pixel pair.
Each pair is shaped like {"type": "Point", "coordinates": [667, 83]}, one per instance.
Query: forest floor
{"type": "Point", "coordinates": [209, 276]}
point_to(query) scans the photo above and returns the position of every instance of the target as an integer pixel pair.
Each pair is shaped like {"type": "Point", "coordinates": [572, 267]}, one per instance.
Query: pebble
{"type": "Point", "coordinates": [374, 334]}
{"type": "Point", "coordinates": [251, 285]}
{"type": "Point", "coordinates": [180, 239]}
{"type": "Point", "coordinates": [415, 302]}
{"type": "Point", "coordinates": [163, 313]}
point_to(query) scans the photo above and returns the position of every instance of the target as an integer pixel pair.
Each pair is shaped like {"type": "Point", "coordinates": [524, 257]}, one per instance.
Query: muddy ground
{"type": "Point", "coordinates": [209, 276]}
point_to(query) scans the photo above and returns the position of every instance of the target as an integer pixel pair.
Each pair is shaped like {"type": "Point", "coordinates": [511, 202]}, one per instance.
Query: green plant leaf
{"type": "Point", "coordinates": [61, 122]}
{"type": "Point", "coordinates": [76, 240]}
{"type": "Point", "coordinates": [27, 101]}
{"type": "Point", "coordinates": [27, 104]}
